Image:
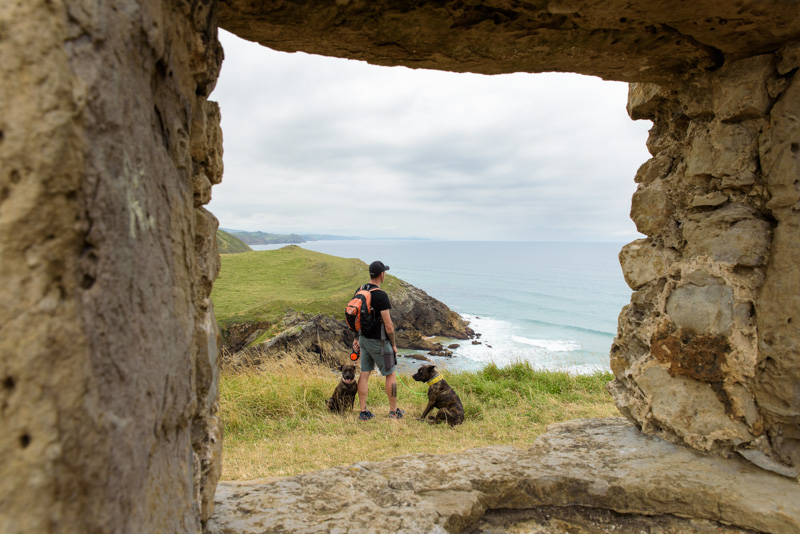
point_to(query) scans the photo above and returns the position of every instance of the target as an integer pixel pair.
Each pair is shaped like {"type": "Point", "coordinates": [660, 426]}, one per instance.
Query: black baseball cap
{"type": "Point", "coordinates": [376, 268]}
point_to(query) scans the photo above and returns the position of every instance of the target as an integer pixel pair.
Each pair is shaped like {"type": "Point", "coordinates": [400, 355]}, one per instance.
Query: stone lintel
{"type": "Point", "coordinates": [655, 41]}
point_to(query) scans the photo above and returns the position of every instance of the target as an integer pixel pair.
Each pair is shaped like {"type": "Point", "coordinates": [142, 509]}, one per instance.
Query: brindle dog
{"type": "Point", "coordinates": [345, 393]}
{"type": "Point", "coordinates": [441, 396]}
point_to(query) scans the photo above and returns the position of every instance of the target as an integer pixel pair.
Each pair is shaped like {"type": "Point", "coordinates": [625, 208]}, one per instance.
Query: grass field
{"type": "Point", "coordinates": [276, 422]}
{"type": "Point", "coordinates": [263, 285]}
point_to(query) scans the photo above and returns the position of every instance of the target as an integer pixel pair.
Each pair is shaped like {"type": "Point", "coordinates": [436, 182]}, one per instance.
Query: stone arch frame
{"type": "Point", "coordinates": [110, 148]}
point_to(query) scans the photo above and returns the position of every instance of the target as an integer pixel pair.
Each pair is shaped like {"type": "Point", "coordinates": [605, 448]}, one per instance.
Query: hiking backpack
{"type": "Point", "coordinates": [358, 312]}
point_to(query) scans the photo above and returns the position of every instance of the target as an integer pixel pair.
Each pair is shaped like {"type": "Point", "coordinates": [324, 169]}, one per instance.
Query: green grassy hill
{"type": "Point", "coordinates": [228, 244]}
{"type": "Point", "coordinates": [264, 285]}
{"type": "Point", "coordinates": [264, 238]}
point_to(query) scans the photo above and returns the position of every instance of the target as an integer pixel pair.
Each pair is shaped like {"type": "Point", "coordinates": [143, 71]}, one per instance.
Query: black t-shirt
{"type": "Point", "coordinates": [380, 302]}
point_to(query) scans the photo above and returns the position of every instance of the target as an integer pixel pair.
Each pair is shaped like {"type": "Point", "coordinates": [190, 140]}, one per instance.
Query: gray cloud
{"type": "Point", "coordinates": [309, 139]}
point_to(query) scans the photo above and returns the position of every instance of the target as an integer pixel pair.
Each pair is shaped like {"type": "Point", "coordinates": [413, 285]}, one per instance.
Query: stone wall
{"type": "Point", "coordinates": [109, 147]}
{"type": "Point", "coordinates": [707, 352]}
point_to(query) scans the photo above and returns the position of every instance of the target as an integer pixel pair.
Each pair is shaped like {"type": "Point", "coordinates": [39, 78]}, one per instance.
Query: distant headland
{"type": "Point", "coordinates": [266, 238]}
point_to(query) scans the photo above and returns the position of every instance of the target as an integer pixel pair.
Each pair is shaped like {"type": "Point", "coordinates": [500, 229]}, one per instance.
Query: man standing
{"type": "Point", "coordinates": [374, 343]}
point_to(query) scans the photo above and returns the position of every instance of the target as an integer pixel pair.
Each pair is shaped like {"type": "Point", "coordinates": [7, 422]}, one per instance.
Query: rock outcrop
{"type": "Point", "coordinates": [318, 338]}
{"type": "Point", "coordinates": [109, 148]}
{"type": "Point", "coordinates": [415, 315]}
{"type": "Point", "coordinates": [579, 472]}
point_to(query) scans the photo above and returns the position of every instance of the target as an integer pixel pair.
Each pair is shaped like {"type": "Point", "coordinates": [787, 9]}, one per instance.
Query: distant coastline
{"type": "Point", "coordinates": [266, 238]}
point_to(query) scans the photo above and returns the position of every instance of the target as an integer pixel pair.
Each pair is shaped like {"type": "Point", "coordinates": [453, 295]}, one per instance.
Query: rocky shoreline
{"type": "Point", "coordinates": [416, 316]}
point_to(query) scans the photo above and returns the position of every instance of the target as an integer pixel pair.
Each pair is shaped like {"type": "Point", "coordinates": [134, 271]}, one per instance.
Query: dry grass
{"type": "Point", "coordinates": [276, 422]}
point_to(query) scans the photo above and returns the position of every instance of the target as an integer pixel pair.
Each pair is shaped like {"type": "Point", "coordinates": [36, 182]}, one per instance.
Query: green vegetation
{"type": "Point", "coordinates": [228, 244]}
{"type": "Point", "coordinates": [264, 285]}
{"type": "Point", "coordinates": [276, 422]}
{"type": "Point", "coordinates": [264, 238]}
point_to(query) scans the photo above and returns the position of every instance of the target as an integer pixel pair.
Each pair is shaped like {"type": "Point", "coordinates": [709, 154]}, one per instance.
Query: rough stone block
{"type": "Point", "coordinates": [652, 210]}
{"type": "Point", "coordinates": [643, 100]}
{"type": "Point", "coordinates": [690, 409]}
{"type": "Point", "coordinates": [789, 58]}
{"type": "Point", "coordinates": [733, 234]}
{"type": "Point", "coordinates": [654, 169]}
{"type": "Point", "coordinates": [779, 146]}
{"type": "Point", "coordinates": [712, 199]}
{"type": "Point", "coordinates": [777, 383]}
{"type": "Point", "coordinates": [740, 90]}
{"type": "Point", "coordinates": [643, 261]}
{"type": "Point", "coordinates": [702, 304]}
{"type": "Point", "coordinates": [696, 99]}
{"type": "Point", "coordinates": [722, 150]}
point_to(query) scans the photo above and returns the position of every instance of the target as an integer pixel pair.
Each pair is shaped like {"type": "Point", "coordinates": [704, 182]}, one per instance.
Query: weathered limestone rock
{"type": "Point", "coordinates": [740, 91]}
{"type": "Point", "coordinates": [777, 384]}
{"type": "Point", "coordinates": [722, 151]}
{"type": "Point", "coordinates": [702, 304]}
{"type": "Point", "coordinates": [651, 209]}
{"type": "Point", "coordinates": [707, 347]}
{"type": "Point", "coordinates": [108, 342]}
{"type": "Point", "coordinates": [643, 262]}
{"type": "Point", "coordinates": [734, 234]}
{"type": "Point", "coordinates": [655, 41]}
{"type": "Point", "coordinates": [592, 465]}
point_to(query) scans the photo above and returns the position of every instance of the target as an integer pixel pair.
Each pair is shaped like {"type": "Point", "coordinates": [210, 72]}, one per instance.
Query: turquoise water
{"type": "Point", "coordinates": [552, 304]}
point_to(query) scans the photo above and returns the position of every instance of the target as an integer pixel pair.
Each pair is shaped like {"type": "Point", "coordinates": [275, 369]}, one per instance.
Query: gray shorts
{"type": "Point", "coordinates": [371, 355]}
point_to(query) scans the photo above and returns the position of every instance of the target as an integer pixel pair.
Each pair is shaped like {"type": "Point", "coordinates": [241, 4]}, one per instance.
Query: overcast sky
{"type": "Point", "coordinates": [325, 145]}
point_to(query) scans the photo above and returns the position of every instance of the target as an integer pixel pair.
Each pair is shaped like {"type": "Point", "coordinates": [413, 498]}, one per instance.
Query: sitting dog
{"type": "Point", "coordinates": [345, 393]}
{"type": "Point", "coordinates": [441, 396]}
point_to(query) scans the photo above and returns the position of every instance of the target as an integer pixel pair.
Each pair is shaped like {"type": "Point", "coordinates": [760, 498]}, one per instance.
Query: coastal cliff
{"type": "Point", "coordinates": [290, 302]}
{"type": "Point", "coordinates": [416, 315]}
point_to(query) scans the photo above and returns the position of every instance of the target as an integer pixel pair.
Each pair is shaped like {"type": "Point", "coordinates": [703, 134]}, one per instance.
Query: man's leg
{"type": "Point", "coordinates": [363, 388]}
{"type": "Point", "coordinates": [391, 390]}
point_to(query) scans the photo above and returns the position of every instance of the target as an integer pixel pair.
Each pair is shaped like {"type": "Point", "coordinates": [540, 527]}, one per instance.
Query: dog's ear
{"type": "Point", "coordinates": [341, 367]}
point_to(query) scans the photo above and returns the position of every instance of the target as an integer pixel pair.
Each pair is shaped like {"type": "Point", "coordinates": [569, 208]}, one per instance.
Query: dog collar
{"type": "Point", "coordinates": [435, 379]}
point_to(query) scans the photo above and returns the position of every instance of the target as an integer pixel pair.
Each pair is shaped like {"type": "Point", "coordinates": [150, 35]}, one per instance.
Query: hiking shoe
{"type": "Point", "coordinates": [366, 415]}
{"type": "Point", "coordinates": [396, 414]}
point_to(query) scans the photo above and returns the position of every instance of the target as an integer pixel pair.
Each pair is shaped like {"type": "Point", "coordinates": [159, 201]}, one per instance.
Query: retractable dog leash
{"type": "Point", "coordinates": [408, 388]}
{"type": "Point", "coordinates": [354, 356]}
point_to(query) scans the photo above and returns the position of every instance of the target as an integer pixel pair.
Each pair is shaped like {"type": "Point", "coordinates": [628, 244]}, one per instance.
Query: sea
{"type": "Point", "coordinates": [554, 305]}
